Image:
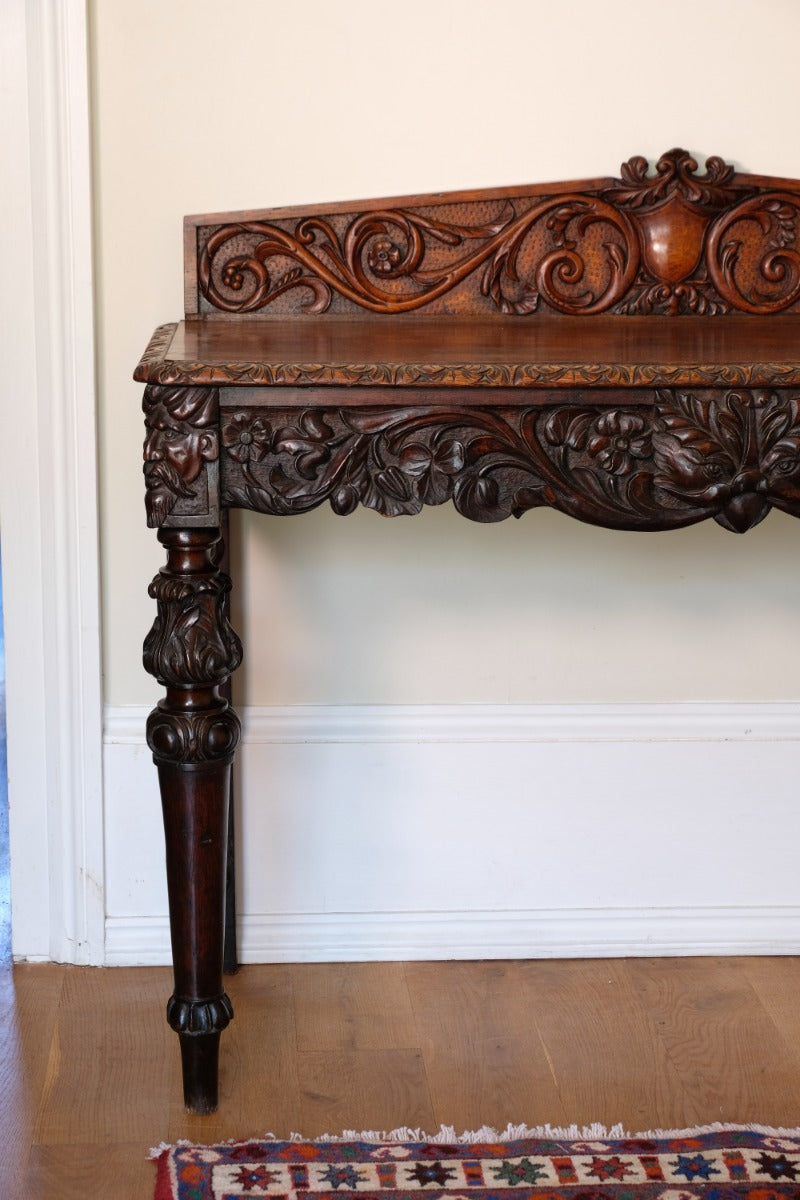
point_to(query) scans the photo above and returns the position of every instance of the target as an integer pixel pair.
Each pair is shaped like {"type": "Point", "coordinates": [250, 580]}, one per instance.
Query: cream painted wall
{"type": "Point", "coordinates": [201, 106]}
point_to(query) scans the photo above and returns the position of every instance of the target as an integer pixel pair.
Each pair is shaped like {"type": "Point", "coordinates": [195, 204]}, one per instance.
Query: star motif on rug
{"type": "Point", "coordinates": [777, 1166]}
{"type": "Point", "coordinates": [697, 1167]}
{"type": "Point", "coordinates": [521, 1171]}
{"type": "Point", "coordinates": [338, 1176]}
{"type": "Point", "coordinates": [423, 1173]}
{"type": "Point", "coordinates": [250, 1178]}
{"type": "Point", "coordinates": [609, 1168]}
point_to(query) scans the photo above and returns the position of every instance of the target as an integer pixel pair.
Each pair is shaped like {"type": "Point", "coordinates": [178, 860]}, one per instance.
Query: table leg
{"type": "Point", "coordinates": [230, 956]}
{"type": "Point", "coordinates": [193, 734]}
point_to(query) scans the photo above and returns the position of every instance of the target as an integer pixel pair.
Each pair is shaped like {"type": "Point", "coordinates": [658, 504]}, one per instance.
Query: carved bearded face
{"type": "Point", "coordinates": [177, 444]}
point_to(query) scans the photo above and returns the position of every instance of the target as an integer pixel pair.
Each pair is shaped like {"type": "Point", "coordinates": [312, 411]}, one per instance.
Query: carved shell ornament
{"type": "Point", "coordinates": [671, 241]}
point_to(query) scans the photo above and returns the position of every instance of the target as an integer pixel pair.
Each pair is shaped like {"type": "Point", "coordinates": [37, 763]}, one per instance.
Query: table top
{"type": "Point", "coordinates": [614, 351]}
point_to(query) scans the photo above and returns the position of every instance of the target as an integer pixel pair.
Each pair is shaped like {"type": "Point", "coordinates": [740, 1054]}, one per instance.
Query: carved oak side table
{"type": "Point", "coordinates": [624, 350]}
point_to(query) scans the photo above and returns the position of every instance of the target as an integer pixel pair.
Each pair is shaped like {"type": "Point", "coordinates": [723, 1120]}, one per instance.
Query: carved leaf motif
{"type": "Point", "coordinates": [477, 497]}
{"type": "Point", "coordinates": [565, 427]}
{"type": "Point", "coordinates": [688, 456]}
{"type": "Point", "coordinates": [675, 174]}
{"type": "Point", "coordinates": [482, 446]}
{"type": "Point", "coordinates": [191, 640]}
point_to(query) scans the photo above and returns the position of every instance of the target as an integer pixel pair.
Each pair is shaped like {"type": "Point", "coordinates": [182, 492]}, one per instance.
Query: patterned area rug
{"type": "Point", "coordinates": [715, 1163]}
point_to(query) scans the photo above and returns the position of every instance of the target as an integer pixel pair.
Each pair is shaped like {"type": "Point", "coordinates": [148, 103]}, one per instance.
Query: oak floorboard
{"type": "Point", "coordinates": [776, 982]}
{"type": "Point", "coordinates": [724, 1045]}
{"type": "Point", "coordinates": [606, 1064]}
{"type": "Point", "coordinates": [485, 1062]}
{"type": "Point", "coordinates": [353, 1006]}
{"type": "Point", "coordinates": [108, 1071]}
{"type": "Point", "coordinates": [29, 995]}
{"type": "Point", "coordinates": [86, 1171]}
{"type": "Point", "coordinates": [363, 1089]}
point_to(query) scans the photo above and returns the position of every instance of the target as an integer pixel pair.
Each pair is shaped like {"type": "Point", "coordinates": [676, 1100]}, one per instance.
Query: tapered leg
{"type": "Point", "coordinates": [230, 956]}
{"type": "Point", "coordinates": [193, 734]}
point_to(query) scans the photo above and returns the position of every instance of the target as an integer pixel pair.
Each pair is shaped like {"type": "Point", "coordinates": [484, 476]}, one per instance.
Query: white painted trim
{"type": "Point", "coordinates": [48, 482]}
{"type": "Point", "coordinates": [365, 723]}
{"type": "Point", "coordinates": [409, 936]}
{"type": "Point", "coordinates": [560, 931]}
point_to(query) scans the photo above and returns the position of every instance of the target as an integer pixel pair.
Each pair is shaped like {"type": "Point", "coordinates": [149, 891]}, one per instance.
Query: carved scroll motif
{"type": "Point", "coordinates": [671, 241]}
{"type": "Point", "coordinates": [181, 450]}
{"type": "Point", "coordinates": [686, 457]}
{"type": "Point", "coordinates": [753, 259]}
{"type": "Point", "coordinates": [381, 260]}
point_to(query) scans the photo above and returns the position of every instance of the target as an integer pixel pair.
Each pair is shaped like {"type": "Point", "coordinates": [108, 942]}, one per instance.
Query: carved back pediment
{"type": "Point", "coordinates": [671, 240]}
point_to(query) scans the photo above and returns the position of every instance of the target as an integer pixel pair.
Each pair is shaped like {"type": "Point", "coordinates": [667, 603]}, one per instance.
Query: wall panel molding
{"type": "Point", "coordinates": [48, 490]}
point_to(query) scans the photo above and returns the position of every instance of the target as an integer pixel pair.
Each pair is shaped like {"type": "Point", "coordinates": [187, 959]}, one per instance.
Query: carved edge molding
{"type": "Point", "coordinates": [690, 456]}
{"type": "Point", "coordinates": [188, 374]}
{"type": "Point", "coordinates": [675, 241]}
{"type": "Point", "coordinates": [154, 352]}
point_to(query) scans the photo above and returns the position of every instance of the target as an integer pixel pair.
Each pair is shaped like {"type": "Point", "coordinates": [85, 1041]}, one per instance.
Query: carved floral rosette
{"type": "Point", "coordinates": [671, 459]}
{"type": "Point", "coordinates": [672, 241]}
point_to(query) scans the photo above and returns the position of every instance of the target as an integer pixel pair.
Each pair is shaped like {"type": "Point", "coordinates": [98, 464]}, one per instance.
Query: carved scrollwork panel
{"type": "Point", "coordinates": [687, 456]}
{"type": "Point", "coordinates": [577, 253]}
{"type": "Point", "coordinates": [675, 240]}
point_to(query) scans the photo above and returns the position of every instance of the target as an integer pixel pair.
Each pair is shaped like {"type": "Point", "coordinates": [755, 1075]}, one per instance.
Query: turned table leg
{"type": "Point", "coordinates": [193, 733]}
{"type": "Point", "coordinates": [230, 955]}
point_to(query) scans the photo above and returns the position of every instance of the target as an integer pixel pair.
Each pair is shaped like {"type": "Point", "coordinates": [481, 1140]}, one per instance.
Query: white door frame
{"type": "Point", "coordinates": [48, 486]}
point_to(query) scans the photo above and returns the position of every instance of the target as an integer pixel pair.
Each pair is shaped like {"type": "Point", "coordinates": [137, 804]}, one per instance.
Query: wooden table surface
{"type": "Point", "coordinates": [451, 352]}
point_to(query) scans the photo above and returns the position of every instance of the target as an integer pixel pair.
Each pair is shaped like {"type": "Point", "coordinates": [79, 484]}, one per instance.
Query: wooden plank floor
{"type": "Point", "coordinates": [89, 1072]}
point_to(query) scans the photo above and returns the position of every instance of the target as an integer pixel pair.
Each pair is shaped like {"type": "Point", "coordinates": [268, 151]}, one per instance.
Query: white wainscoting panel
{"type": "Point", "coordinates": [484, 831]}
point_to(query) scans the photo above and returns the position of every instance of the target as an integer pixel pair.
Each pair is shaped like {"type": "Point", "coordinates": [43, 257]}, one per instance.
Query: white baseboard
{"type": "Point", "coordinates": [408, 936]}
{"type": "Point", "coordinates": [485, 832]}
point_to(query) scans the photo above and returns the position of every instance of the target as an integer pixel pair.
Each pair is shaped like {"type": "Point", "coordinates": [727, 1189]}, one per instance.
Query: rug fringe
{"type": "Point", "coordinates": [511, 1133]}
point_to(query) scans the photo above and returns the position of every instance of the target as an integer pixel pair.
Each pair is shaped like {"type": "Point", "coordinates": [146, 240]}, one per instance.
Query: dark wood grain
{"type": "Point", "coordinates": [492, 353]}
{"type": "Point", "coordinates": [625, 350]}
